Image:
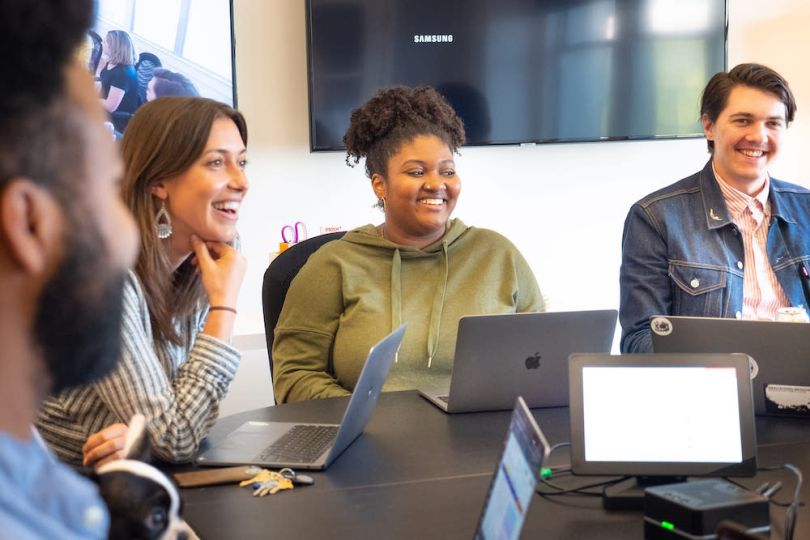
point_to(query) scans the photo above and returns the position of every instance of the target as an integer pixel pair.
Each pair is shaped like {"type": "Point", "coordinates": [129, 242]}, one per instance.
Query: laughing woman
{"type": "Point", "coordinates": [184, 180]}
{"type": "Point", "coordinates": [418, 266]}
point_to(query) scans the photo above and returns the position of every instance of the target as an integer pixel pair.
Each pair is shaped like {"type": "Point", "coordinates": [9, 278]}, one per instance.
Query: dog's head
{"type": "Point", "coordinates": [143, 503]}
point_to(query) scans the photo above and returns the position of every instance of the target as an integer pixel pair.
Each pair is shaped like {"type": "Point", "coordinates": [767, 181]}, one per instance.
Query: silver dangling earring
{"type": "Point", "coordinates": [163, 223]}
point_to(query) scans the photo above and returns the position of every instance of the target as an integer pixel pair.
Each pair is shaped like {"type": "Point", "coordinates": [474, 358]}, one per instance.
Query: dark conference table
{"type": "Point", "coordinates": [417, 472]}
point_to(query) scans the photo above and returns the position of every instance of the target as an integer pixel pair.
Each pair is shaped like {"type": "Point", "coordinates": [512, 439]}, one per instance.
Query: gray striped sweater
{"type": "Point", "coordinates": [177, 388]}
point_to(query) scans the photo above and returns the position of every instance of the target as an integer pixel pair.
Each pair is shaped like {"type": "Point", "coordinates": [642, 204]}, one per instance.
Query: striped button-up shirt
{"type": "Point", "coordinates": [762, 294]}
{"type": "Point", "coordinates": [177, 388]}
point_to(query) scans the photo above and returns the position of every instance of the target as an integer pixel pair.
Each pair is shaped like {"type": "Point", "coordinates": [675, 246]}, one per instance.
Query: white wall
{"type": "Point", "coordinates": [563, 205]}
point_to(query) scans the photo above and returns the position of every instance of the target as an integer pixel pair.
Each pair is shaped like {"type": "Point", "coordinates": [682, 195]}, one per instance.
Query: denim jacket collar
{"type": "Point", "coordinates": [717, 214]}
{"type": "Point", "coordinates": [714, 204]}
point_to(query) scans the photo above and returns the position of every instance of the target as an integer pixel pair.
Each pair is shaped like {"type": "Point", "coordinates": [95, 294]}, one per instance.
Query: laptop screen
{"type": "Point", "coordinates": [662, 415]}
{"type": "Point", "coordinates": [515, 479]}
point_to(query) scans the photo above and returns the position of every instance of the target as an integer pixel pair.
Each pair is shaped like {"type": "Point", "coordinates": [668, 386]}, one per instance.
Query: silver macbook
{"type": "Point", "coordinates": [780, 371]}
{"type": "Point", "coordinates": [309, 446]}
{"type": "Point", "coordinates": [501, 357]}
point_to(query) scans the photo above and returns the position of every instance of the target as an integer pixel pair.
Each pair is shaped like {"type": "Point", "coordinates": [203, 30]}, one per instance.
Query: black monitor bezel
{"type": "Point", "coordinates": [314, 147]}
{"type": "Point", "coordinates": [740, 362]}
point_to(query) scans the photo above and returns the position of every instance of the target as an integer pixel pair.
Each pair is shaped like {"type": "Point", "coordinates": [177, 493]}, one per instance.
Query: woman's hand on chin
{"type": "Point", "coordinates": [222, 269]}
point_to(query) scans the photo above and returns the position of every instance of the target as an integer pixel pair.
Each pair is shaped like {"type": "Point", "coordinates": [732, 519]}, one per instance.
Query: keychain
{"type": "Point", "coordinates": [270, 482]}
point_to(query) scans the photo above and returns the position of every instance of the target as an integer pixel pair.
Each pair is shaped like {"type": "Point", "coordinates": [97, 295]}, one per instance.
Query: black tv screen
{"type": "Point", "coordinates": [521, 71]}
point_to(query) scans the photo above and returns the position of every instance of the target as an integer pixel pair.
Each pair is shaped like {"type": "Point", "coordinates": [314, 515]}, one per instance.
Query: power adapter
{"type": "Point", "coordinates": [694, 509]}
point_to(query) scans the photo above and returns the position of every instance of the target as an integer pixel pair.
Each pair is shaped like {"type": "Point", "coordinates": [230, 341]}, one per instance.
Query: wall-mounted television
{"type": "Point", "coordinates": [521, 71]}
{"type": "Point", "coordinates": [182, 47]}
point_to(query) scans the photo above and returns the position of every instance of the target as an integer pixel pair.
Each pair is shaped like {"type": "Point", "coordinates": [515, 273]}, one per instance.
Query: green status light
{"type": "Point", "coordinates": [668, 526]}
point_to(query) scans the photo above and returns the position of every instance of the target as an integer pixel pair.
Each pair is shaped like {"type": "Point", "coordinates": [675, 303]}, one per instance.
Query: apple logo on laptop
{"type": "Point", "coordinates": [533, 362]}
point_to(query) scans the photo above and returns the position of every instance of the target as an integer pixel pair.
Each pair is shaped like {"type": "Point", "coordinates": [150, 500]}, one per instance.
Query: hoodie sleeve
{"type": "Point", "coordinates": [305, 333]}
{"type": "Point", "coordinates": [529, 298]}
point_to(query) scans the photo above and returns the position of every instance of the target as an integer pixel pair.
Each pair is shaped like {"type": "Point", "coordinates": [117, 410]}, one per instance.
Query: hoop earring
{"type": "Point", "coordinates": [163, 223]}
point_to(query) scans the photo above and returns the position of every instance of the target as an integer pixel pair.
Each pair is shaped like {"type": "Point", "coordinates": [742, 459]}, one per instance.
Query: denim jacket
{"type": "Point", "coordinates": [682, 254]}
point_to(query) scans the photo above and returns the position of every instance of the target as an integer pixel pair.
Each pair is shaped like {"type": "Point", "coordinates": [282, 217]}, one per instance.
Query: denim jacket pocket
{"type": "Point", "coordinates": [697, 291]}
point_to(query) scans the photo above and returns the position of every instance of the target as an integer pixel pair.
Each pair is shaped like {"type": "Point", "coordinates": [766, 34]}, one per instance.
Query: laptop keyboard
{"type": "Point", "coordinates": [301, 444]}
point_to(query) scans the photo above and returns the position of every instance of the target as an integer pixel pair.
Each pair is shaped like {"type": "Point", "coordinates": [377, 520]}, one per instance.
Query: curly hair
{"type": "Point", "coordinates": [394, 116]}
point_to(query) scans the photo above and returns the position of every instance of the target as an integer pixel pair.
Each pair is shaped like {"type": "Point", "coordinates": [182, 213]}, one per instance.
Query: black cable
{"type": "Point", "coordinates": [558, 446]}
{"type": "Point", "coordinates": [793, 507]}
{"type": "Point", "coordinates": [773, 501]}
{"type": "Point", "coordinates": [550, 472]}
{"type": "Point", "coordinates": [579, 490]}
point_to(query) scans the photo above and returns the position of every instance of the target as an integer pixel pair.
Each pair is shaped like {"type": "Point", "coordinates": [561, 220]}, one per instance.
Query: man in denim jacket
{"type": "Point", "coordinates": [728, 241]}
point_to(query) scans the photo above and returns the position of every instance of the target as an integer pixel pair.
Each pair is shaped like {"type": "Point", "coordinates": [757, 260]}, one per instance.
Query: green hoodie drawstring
{"type": "Point", "coordinates": [438, 302]}
{"type": "Point", "coordinates": [396, 294]}
{"type": "Point", "coordinates": [438, 307]}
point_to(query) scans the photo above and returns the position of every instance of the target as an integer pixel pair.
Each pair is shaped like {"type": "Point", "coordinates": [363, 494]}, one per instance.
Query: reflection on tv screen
{"type": "Point", "coordinates": [139, 50]}
{"type": "Point", "coordinates": [521, 70]}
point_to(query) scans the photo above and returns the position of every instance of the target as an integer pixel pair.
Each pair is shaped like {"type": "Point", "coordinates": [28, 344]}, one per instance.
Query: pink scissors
{"type": "Point", "coordinates": [292, 234]}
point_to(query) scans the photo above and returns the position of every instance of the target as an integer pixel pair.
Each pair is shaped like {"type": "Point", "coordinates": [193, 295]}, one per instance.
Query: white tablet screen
{"type": "Point", "coordinates": [661, 414]}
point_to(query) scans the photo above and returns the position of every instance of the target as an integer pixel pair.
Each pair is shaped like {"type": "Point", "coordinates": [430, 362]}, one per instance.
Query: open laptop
{"type": "Point", "coordinates": [781, 353]}
{"type": "Point", "coordinates": [309, 446]}
{"type": "Point", "coordinates": [500, 357]}
{"type": "Point", "coordinates": [513, 484]}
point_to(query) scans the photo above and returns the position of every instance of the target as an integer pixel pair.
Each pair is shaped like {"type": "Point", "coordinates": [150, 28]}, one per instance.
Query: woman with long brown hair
{"type": "Point", "coordinates": [184, 181]}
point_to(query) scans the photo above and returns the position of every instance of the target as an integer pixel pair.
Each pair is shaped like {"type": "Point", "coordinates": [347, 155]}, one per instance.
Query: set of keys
{"type": "Point", "coordinates": [267, 482]}
{"type": "Point", "coordinates": [263, 481]}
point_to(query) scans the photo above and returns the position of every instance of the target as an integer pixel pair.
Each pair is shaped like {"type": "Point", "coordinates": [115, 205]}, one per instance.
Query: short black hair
{"type": "Point", "coordinates": [36, 40]}
{"type": "Point", "coordinates": [172, 83]}
{"type": "Point", "coordinates": [38, 126]}
{"type": "Point", "coordinates": [715, 95]}
{"type": "Point", "coordinates": [397, 115]}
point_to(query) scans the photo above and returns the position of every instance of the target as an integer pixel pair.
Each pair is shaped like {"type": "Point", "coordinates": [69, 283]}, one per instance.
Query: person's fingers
{"type": "Point", "coordinates": [109, 433]}
{"type": "Point", "coordinates": [218, 250]}
{"type": "Point", "coordinates": [103, 451]}
{"type": "Point", "coordinates": [204, 259]}
{"type": "Point", "coordinates": [111, 457]}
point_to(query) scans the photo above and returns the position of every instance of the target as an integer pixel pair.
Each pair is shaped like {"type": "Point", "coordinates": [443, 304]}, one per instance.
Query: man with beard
{"type": "Point", "coordinates": [65, 241]}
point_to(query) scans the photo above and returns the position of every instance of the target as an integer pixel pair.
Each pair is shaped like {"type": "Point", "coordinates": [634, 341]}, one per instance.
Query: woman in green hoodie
{"type": "Point", "coordinates": [418, 266]}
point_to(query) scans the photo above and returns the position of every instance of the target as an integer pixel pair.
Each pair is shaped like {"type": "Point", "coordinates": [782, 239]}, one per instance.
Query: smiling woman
{"type": "Point", "coordinates": [419, 266]}
{"type": "Point", "coordinates": [184, 181]}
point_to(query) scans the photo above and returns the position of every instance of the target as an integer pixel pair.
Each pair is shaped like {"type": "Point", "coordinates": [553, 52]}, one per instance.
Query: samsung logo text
{"type": "Point", "coordinates": [433, 38]}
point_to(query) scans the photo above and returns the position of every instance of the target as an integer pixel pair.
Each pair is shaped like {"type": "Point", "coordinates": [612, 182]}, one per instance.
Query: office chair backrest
{"type": "Point", "coordinates": [145, 68]}
{"type": "Point", "coordinates": [95, 52]}
{"type": "Point", "coordinates": [277, 279]}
